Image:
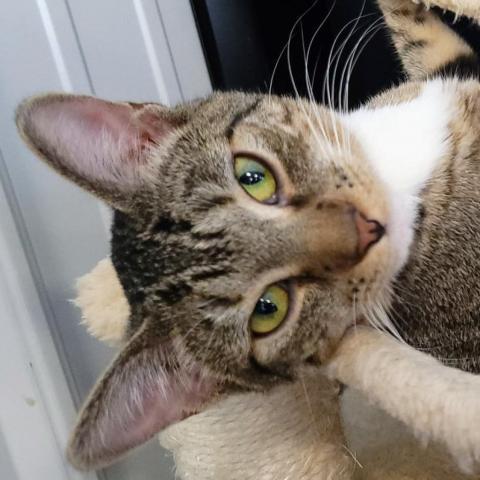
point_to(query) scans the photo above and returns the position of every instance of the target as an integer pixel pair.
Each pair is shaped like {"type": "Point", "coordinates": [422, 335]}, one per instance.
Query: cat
{"type": "Point", "coordinates": [251, 231]}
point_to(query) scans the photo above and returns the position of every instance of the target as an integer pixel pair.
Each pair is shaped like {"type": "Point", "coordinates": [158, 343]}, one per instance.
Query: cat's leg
{"type": "Point", "coordinates": [105, 309]}
{"type": "Point", "coordinates": [466, 8]}
{"type": "Point", "coordinates": [425, 45]}
{"type": "Point", "coordinates": [438, 403]}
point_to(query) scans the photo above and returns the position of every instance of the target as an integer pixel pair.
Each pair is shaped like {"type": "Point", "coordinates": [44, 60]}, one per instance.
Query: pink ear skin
{"type": "Point", "coordinates": [148, 387]}
{"type": "Point", "coordinates": [102, 146]}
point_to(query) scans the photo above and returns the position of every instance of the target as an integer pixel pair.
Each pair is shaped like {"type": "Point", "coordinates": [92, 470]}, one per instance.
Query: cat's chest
{"type": "Point", "coordinates": [405, 142]}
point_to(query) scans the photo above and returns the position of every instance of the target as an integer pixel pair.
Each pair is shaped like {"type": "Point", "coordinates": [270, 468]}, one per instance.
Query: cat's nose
{"type": "Point", "coordinates": [369, 232]}
{"type": "Point", "coordinates": [336, 236]}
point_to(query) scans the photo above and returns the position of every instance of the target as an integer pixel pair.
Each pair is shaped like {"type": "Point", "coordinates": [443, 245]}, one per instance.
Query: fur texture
{"type": "Point", "coordinates": [195, 252]}
{"type": "Point", "coordinates": [105, 309]}
{"type": "Point", "coordinates": [424, 43]}
{"type": "Point", "coordinates": [391, 375]}
{"type": "Point", "coordinates": [435, 402]}
{"type": "Point", "coordinates": [467, 8]}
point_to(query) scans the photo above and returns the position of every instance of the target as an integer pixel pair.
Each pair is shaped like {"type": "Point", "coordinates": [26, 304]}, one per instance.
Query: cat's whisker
{"type": "Point", "coordinates": [349, 68]}
{"type": "Point", "coordinates": [397, 320]}
{"type": "Point", "coordinates": [309, 406]}
{"type": "Point", "coordinates": [313, 105]}
{"type": "Point", "coordinates": [292, 78]}
{"type": "Point", "coordinates": [378, 318]}
{"type": "Point", "coordinates": [372, 319]}
{"type": "Point", "coordinates": [339, 54]}
{"type": "Point", "coordinates": [374, 29]}
{"type": "Point", "coordinates": [302, 105]}
{"type": "Point", "coordinates": [287, 47]}
{"type": "Point", "coordinates": [312, 40]}
{"type": "Point", "coordinates": [351, 61]}
{"type": "Point", "coordinates": [314, 75]}
{"type": "Point", "coordinates": [335, 57]}
{"type": "Point", "coordinates": [352, 455]}
{"type": "Point", "coordinates": [306, 55]}
{"type": "Point", "coordinates": [275, 68]}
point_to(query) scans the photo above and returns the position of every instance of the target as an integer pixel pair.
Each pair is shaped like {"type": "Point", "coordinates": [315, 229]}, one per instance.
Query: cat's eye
{"type": "Point", "coordinates": [256, 179]}
{"type": "Point", "coordinates": [270, 310]}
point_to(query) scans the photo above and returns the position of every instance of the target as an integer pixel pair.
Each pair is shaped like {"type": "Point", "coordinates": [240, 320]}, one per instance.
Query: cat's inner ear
{"type": "Point", "coordinates": [147, 388]}
{"type": "Point", "coordinates": [102, 146]}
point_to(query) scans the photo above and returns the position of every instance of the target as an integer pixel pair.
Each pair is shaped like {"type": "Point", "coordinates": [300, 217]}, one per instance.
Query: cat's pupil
{"type": "Point", "coordinates": [251, 178]}
{"type": "Point", "coordinates": [265, 307]}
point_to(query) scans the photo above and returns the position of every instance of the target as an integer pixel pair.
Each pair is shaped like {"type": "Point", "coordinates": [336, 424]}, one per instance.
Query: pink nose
{"type": "Point", "coordinates": [369, 232]}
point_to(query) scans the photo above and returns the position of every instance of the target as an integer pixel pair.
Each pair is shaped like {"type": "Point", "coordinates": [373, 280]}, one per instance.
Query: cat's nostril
{"type": "Point", "coordinates": [369, 232]}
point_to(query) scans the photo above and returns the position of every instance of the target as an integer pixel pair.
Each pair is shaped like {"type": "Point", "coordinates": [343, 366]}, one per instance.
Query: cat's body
{"type": "Point", "coordinates": [202, 252]}
{"type": "Point", "coordinates": [437, 301]}
{"type": "Point", "coordinates": [444, 268]}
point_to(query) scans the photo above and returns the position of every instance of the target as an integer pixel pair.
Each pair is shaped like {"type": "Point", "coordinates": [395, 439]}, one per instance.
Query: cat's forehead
{"type": "Point", "coordinates": [226, 112]}
{"type": "Point", "coordinates": [290, 133]}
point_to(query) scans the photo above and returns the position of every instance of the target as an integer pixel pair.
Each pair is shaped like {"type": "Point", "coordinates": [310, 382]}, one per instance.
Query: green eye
{"type": "Point", "coordinates": [270, 310]}
{"type": "Point", "coordinates": [256, 179]}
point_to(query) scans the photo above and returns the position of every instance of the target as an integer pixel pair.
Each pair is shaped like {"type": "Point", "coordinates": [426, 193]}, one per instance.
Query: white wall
{"type": "Point", "coordinates": [51, 232]}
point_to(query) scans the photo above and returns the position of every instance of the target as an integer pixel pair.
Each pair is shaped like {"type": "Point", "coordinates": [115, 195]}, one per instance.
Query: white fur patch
{"type": "Point", "coordinates": [405, 144]}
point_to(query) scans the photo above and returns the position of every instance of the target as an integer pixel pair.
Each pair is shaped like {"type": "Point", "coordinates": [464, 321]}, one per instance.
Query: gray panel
{"type": "Point", "coordinates": [185, 47]}
{"type": "Point", "coordinates": [62, 228]}
{"type": "Point", "coordinates": [117, 49]}
{"type": "Point", "coordinates": [7, 471]}
{"type": "Point", "coordinates": [113, 37]}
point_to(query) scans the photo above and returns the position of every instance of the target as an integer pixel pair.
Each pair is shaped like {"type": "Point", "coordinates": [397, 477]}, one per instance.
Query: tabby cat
{"type": "Point", "coordinates": [251, 231]}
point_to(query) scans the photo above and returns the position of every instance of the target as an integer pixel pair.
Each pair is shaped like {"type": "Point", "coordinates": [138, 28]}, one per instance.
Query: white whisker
{"type": "Point", "coordinates": [349, 68]}
{"type": "Point", "coordinates": [376, 315]}
{"type": "Point", "coordinates": [309, 83]}
{"type": "Point", "coordinates": [353, 455]}
{"type": "Point", "coordinates": [335, 57]}
{"type": "Point", "coordinates": [312, 103]}
{"type": "Point", "coordinates": [352, 60]}
{"type": "Point", "coordinates": [287, 46]}
{"type": "Point", "coordinates": [302, 104]}
{"type": "Point", "coordinates": [309, 405]}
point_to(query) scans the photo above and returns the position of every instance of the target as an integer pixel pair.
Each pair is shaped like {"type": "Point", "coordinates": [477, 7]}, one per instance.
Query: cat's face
{"type": "Point", "coordinates": [250, 233]}
{"type": "Point", "coordinates": [203, 250]}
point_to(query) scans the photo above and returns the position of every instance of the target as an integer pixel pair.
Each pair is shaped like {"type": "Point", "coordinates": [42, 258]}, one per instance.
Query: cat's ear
{"type": "Point", "coordinates": [147, 388]}
{"type": "Point", "coordinates": [102, 146]}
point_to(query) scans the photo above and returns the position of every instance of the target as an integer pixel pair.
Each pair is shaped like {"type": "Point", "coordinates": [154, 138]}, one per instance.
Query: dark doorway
{"type": "Point", "coordinates": [243, 40]}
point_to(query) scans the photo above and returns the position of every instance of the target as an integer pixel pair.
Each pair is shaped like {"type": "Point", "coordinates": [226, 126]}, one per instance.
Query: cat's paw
{"type": "Point", "coordinates": [467, 8]}
{"type": "Point", "coordinates": [105, 309]}
{"type": "Point", "coordinates": [403, 13]}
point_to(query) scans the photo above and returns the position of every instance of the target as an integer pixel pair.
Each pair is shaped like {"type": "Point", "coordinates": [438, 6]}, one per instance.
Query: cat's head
{"type": "Point", "coordinates": [250, 232]}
